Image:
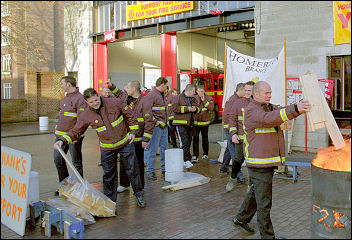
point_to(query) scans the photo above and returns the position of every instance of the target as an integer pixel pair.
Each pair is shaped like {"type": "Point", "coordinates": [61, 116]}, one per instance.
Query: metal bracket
{"type": "Point", "coordinates": [65, 223]}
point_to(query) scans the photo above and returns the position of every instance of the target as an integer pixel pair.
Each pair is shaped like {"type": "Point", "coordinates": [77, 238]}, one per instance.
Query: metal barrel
{"type": "Point", "coordinates": [331, 204]}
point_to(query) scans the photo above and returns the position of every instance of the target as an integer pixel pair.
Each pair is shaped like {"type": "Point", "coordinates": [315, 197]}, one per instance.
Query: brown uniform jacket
{"type": "Point", "coordinates": [71, 106]}
{"type": "Point", "coordinates": [118, 93]}
{"type": "Point", "coordinates": [236, 118]}
{"type": "Point", "coordinates": [137, 109]}
{"type": "Point", "coordinates": [168, 101]}
{"type": "Point", "coordinates": [180, 109]}
{"type": "Point", "coordinates": [113, 125]}
{"type": "Point", "coordinates": [227, 108]}
{"type": "Point", "coordinates": [202, 118]}
{"type": "Point", "coordinates": [154, 110]}
{"type": "Point", "coordinates": [264, 144]}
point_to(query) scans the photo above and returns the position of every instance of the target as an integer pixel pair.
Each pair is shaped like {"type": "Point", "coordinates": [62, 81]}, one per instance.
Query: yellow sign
{"type": "Point", "coordinates": [342, 22]}
{"type": "Point", "coordinates": [153, 9]}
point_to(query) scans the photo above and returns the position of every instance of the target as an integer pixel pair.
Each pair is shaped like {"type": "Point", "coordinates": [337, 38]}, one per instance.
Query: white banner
{"type": "Point", "coordinates": [241, 68]}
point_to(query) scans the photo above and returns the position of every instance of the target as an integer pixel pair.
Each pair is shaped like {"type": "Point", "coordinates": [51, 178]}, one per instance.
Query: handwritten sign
{"type": "Point", "coordinates": [153, 9]}
{"type": "Point", "coordinates": [15, 172]}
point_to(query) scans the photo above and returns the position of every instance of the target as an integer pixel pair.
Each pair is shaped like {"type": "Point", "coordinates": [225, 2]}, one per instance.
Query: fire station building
{"type": "Point", "coordinates": [142, 40]}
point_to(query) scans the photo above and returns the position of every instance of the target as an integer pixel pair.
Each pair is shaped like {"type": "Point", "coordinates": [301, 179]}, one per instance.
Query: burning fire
{"type": "Point", "coordinates": [332, 159]}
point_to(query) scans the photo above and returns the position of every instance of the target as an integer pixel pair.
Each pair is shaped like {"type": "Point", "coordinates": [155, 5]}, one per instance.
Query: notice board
{"type": "Point", "coordinates": [15, 173]}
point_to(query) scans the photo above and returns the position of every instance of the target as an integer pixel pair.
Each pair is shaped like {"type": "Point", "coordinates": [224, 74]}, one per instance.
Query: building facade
{"type": "Point", "coordinates": [125, 41]}
{"type": "Point", "coordinates": [32, 40]}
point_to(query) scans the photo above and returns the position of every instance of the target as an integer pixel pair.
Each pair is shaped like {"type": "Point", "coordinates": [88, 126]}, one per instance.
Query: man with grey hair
{"type": "Point", "coordinates": [264, 150]}
{"type": "Point", "coordinates": [185, 106]}
{"type": "Point", "coordinates": [105, 92]}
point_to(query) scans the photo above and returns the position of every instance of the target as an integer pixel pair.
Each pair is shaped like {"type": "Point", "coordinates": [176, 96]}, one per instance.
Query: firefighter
{"type": "Point", "coordinates": [202, 122]}
{"type": "Point", "coordinates": [155, 129]}
{"type": "Point", "coordinates": [106, 92]}
{"type": "Point", "coordinates": [71, 106]}
{"type": "Point", "coordinates": [230, 152]}
{"type": "Point", "coordinates": [116, 127]}
{"type": "Point", "coordinates": [185, 106]}
{"type": "Point", "coordinates": [264, 150]}
{"type": "Point", "coordinates": [169, 95]}
{"type": "Point", "coordinates": [237, 134]}
{"type": "Point", "coordinates": [134, 101]}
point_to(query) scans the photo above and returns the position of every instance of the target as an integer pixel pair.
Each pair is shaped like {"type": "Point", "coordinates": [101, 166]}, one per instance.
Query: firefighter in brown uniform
{"type": "Point", "coordinates": [185, 106]}
{"type": "Point", "coordinates": [155, 127]}
{"type": "Point", "coordinates": [237, 134]}
{"type": "Point", "coordinates": [169, 95]}
{"type": "Point", "coordinates": [264, 150]}
{"type": "Point", "coordinates": [134, 101]}
{"type": "Point", "coordinates": [202, 122]}
{"type": "Point", "coordinates": [231, 147]}
{"type": "Point", "coordinates": [71, 106]}
{"type": "Point", "coordinates": [116, 127]}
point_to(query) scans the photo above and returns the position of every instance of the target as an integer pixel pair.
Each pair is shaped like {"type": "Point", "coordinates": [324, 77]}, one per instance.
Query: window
{"type": "Point", "coordinates": [7, 90]}
{"type": "Point", "coordinates": [4, 9]}
{"type": "Point", "coordinates": [6, 64]}
{"type": "Point", "coordinates": [5, 35]}
{"type": "Point", "coordinates": [215, 84]}
{"type": "Point", "coordinates": [221, 84]}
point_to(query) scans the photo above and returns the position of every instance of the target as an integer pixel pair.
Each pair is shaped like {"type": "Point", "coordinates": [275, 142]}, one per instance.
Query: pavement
{"type": "Point", "coordinates": [201, 212]}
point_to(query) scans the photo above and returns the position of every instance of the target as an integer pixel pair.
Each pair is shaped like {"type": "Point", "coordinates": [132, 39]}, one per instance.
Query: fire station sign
{"type": "Point", "coordinates": [110, 36]}
{"type": "Point", "coordinates": [15, 172]}
{"type": "Point", "coordinates": [153, 9]}
{"type": "Point", "coordinates": [342, 22]}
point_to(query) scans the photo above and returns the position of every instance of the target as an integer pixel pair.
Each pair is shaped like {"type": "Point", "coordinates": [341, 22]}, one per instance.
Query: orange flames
{"type": "Point", "coordinates": [332, 159]}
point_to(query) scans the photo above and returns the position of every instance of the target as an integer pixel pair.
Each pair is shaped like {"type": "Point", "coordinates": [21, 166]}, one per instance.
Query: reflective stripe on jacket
{"type": "Point", "coordinates": [71, 106]}
{"type": "Point", "coordinates": [264, 144]}
{"type": "Point", "coordinates": [202, 118]}
{"type": "Point", "coordinates": [236, 118]}
{"type": "Point", "coordinates": [154, 111]}
{"type": "Point", "coordinates": [113, 125]}
{"type": "Point", "coordinates": [227, 108]}
{"type": "Point", "coordinates": [168, 101]}
{"type": "Point", "coordinates": [180, 109]}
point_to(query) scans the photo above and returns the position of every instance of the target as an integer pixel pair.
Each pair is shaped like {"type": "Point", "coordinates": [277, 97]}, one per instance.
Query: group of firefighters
{"type": "Point", "coordinates": [134, 125]}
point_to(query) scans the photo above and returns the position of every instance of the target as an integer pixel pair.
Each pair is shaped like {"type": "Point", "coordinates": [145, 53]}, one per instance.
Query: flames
{"type": "Point", "coordinates": [332, 159]}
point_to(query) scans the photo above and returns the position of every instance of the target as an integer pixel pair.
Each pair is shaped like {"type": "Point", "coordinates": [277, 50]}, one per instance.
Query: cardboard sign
{"type": "Point", "coordinates": [15, 172]}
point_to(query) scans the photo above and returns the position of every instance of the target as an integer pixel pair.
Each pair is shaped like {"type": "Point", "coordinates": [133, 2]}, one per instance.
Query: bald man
{"type": "Point", "coordinates": [264, 149]}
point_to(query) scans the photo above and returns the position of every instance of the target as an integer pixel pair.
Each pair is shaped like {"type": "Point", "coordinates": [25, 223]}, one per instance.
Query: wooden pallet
{"type": "Point", "coordinates": [320, 115]}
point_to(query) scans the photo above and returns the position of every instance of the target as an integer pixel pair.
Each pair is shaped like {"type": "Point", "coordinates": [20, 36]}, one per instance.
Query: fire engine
{"type": "Point", "coordinates": [214, 86]}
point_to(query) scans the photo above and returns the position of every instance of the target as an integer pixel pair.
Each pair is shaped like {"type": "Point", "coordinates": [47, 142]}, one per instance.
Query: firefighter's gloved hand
{"type": "Point", "coordinates": [108, 83]}
{"type": "Point", "coordinates": [58, 145]}
{"type": "Point", "coordinates": [132, 136]}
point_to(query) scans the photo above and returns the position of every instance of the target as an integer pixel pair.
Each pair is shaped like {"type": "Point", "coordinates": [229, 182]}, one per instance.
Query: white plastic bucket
{"type": "Point", "coordinates": [43, 123]}
{"type": "Point", "coordinates": [174, 160]}
{"type": "Point", "coordinates": [222, 151]}
{"type": "Point", "coordinates": [33, 189]}
{"type": "Point", "coordinates": [173, 164]}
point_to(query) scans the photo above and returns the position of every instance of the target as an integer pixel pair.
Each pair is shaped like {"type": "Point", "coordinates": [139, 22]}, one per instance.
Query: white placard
{"type": "Point", "coordinates": [15, 172]}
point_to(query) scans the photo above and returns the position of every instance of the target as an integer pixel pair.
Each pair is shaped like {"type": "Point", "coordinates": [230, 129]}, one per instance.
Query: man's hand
{"type": "Point", "coordinates": [108, 83]}
{"type": "Point", "coordinates": [202, 97]}
{"type": "Point", "coordinates": [235, 139]}
{"type": "Point", "coordinates": [144, 144]}
{"type": "Point", "coordinates": [303, 106]}
{"type": "Point", "coordinates": [132, 136]}
{"type": "Point", "coordinates": [192, 109]}
{"type": "Point", "coordinates": [58, 145]}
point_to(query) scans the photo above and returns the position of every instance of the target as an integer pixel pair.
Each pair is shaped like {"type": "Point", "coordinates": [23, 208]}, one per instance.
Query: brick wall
{"type": "Point", "coordinates": [42, 98]}
{"type": "Point", "coordinates": [309, 31]}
